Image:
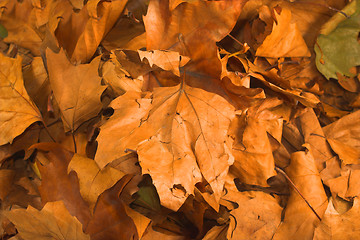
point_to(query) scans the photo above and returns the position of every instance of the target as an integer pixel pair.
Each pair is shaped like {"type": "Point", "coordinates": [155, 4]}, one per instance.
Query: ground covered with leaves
{"type": "Point", "coordinates": [179, 119]}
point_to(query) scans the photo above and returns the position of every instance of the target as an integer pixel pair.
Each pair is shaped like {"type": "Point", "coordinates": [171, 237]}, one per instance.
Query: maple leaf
{"type": "Point", "coordinates": [191, 29]}
{"type": "Point", "coordinates": [52, 222]}
{"type": "Point", "coordinates": [110, 220]}
{"type": "Point", "coordinates": [179, 135]}
{"type": "Point", "coordinates": [253, 222]}
{"type": "Point", "coordinates": [56, 184]}
{"type": "Point", "coordinates": [343, 137]}
{"type": "Point", "coordinates": [92, 180]}
{"type": "Point", "coordinates": [285, 39]}
{"type": "Point", "coordinates": [339, 226]}
{"type": "Point", "coordinates": [80, 33]}
{"type": "Point", "coordinates": [16, 108]}
{"type": "Point", "coordinates": [80, 100]}
{"type": "Point", "coordinates": [170, 61]}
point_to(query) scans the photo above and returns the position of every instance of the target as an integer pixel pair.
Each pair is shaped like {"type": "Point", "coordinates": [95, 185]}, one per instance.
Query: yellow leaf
{"type": "Point", "coordinates": [52, 222]}
{"type": "Point", "coordinates": [17, 110]}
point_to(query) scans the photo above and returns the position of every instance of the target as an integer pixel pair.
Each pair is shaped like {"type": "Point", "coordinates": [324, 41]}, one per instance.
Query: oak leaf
{"type": "Point", "coordinates": [179, 134]}
{"type": "Point", "coordinates": [52, 222]}
{"type": "Point", "coordinates": [17, 110]}
{"type": "Point", "coordinates": [77, 89]}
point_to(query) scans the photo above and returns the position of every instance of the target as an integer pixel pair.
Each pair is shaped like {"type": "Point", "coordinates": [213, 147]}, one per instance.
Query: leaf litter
{"type": "Point", "coordinates": [174, 119]}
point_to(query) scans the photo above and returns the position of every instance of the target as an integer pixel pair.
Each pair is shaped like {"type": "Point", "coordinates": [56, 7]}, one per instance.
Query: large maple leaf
{"type": "Point", "coordinates": [180, 135]}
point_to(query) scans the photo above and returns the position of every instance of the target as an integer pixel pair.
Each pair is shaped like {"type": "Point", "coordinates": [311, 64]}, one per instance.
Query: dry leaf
{"type": "Point", "coordinates": [92, 180]}
{"type": "Point", "coordinates": [80, 33]}
{"type": "Point", "coordinates": [167, 60]}
{"type": "Point", "coordinates": [176, 127]}
{"type": "Point", "coordinates": [17, 110]}
{"type": "Point", "coordinates": [300, 221]}
{"type": "Point", "coordinates": [337, 226]}
{"type": "Point", "coordinates": [52, 222]}
{"type": "Point", "coordinates": [253, 221]}
{"type": "Point", "coordinates": [343, 136]}
{"type": "Point", "coordinates": [110, 220]}
{"type": "Point", "coordinates": [285, 39]}
{"type": "Point", "coordinates": [77, 89]}
{"type": "Point", "coordinates": [56, 184]}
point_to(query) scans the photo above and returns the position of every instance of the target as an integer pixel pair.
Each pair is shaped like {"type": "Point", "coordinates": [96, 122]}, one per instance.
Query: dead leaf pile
{"type": "Point", "coordinates": [178, 119]}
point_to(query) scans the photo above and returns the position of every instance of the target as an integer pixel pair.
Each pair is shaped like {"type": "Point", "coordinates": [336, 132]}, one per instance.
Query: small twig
{"type": "Point", "coordinates": [297, 190]}
{"type": "Point", "coordinates": [237, 41]}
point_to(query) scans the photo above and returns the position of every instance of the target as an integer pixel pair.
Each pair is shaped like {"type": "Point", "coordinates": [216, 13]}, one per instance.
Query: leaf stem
{"type": "Point", "coordinates": [73, 137]}
{"type": "Point", "coordinates": [47, 130]}
{"type": "Point", "coordinates": [297, 190]}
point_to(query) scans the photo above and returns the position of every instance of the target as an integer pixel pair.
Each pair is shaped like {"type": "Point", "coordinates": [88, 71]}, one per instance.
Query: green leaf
{"type": "Point", "coordinates": [3, 31]}
{"type": "Point", "coordinates": [339, 50]}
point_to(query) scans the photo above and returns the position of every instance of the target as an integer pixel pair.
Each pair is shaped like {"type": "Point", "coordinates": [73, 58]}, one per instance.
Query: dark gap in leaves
{"type": "Point", "coordinates": [108, 112]}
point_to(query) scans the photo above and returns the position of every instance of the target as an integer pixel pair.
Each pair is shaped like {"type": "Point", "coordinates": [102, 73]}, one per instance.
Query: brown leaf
{"type": "Point", "coordinates": [314, 136]}
{"type": "Point", "coordinates": [80, 33]}
{"type": "Point", "coordinates": [192, 29]}
{"type": "Point", "coordinates": [258, 220]}
{"type": "Point", "coordinates": [343, 136]}
{"type": "Point", "coordinates": [141, 222]}
{"type": "Point", "coordinates": [77, 89]}
{"type": "Point", "coordinates": [337, 226]}
{"type": "Point", "coordinates": [93, 181]}
{"type": "Point", "coordinates": [285, 39]}
{"type": "Point", "coordinates": [17, 110]}
{"type": "Point", "coordinates": [52, 222]}
{"type": "Point", "coordinates": [56, 184]}
{"type": "Point", "coordinates": [251, 147]}
{"type": "Point", "coordinates": [110, 220]}
{"type": "Point", "coordinates": [179, 135]}
{"type": "Point", "coordinates": [37, 83]}
{"type": "Point", "coordinates": [167, 60]}
{"type": "Point", "coordinates": [300, 220]}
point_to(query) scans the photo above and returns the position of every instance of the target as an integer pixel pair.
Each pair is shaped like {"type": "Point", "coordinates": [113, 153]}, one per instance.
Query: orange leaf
{"type": "Point", "coordinates": [179, 135]}
{"type": "Point", "coordinates": [77, 89]}
{"type": "Point", "coordinates": [17, 110]}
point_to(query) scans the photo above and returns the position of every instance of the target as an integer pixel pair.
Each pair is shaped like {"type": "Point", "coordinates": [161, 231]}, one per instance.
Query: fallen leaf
{"type": "Point", "coordinates": [110, 220]}
{"type": "Point", "coordinates": [176, 126]}
{"type": "Point", "coordinates": [80, 100]}
{"type": "Point", "coordinates": [17, 109]}
{"type": "Point", "coordinates": [285, 39]}
{"type": "Point", "coordinates": [169, 61]}
{"type": "Point", "coordinates": [252, 221]}
{"type": "Point", "coordinates": [337, 226]}
{"type": "Point", "coordinates": [300, 221]}
{"type": "Point", "coordinates": [192, 29]}
{"type": "Point", "coordinates": [343, 136]}
{"type": "Point", "coordinates": [92, 180]}
{"type": "Point", "coordinates": [52, 222]}
{"type": "Point", "coordinates": [56, 184]}
{"type": "Point", "coordinates": [329, 58]}
{"type": "Point", "coordinates": [80, 33]}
